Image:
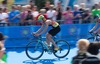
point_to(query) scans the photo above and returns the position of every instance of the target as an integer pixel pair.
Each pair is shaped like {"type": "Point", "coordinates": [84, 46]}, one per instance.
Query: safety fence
{"type": "Point", "coordinates": [18, 36]}
{"type": "Point", "coordinates": [27, 23]}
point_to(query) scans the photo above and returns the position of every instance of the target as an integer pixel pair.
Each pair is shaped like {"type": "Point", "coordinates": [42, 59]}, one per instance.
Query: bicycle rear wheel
{"type": "Point", "coordinates": [64, 49]}
{"type": "Point", "coordinates": [34, 50]}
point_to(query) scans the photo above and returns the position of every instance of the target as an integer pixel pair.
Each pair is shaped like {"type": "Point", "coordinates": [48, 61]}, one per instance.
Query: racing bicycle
{"type": "Point", "coordinates": [37, 46]}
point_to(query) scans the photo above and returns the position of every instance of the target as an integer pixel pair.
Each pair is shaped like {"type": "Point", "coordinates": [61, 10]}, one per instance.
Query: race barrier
{"type": "Point", "coordinates": [19, 36]}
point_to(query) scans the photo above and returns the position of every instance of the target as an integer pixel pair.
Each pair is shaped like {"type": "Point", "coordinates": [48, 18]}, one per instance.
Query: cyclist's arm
{"type": "Point", "coordinates": [94, 26]}
{"type": "Point", "coordinates": [45, 28]}
{"type": "Point", "coordinates": [39, 30]}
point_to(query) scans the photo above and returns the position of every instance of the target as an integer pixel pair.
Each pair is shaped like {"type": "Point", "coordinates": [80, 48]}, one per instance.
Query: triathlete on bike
{"type": "Point", "coordinates": [96, 15]}
{"type": "Point", "coordinates": [45, 24]}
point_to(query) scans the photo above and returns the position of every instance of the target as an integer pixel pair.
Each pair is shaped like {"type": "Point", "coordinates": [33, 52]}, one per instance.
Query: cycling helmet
{"type": "Point", "coordinates": [41, 17]}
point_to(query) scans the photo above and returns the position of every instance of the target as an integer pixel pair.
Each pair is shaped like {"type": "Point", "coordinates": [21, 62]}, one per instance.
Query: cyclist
{"type": "Point", "coordinates": [45, 23]}
{"type": "Point", "coordinates": [98, 30]}
{"type": "Point", "coordinates": [96, 14]}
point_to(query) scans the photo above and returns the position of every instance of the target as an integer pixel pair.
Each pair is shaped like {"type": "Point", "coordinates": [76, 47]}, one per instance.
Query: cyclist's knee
{"type": "Point", "coordinates": [48, 35]}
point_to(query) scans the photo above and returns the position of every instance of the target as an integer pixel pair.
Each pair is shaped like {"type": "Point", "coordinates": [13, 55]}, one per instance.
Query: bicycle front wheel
{"type": "Point", "coordinates": [91, 39]}
{"type": "Point", "coordinates": [34, 50]}
{"type": "Point", "coordinates": [64, 49]}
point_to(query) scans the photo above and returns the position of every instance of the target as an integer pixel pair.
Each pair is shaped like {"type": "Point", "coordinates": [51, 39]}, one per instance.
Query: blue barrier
{"type": "Point", "coordinates": [20, 35]}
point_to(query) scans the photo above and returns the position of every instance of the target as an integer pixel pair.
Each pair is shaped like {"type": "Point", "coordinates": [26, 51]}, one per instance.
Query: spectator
{"type": "Point", "coordinates": [47, 5]}
{"type": "Point", "coordinates": [3, 4]}
{"type": "Point", "coordinates": [28, 6]}
{"type": "Point", "coordinates": [93, 50]}
{"type": "Point", "coordinates": [77, 15]}
{"type": "Point", "coordinates": [1, 17]}
{"type": "Point", "coordinates": [56, 2]}
{"type": "Point", "coordinates": [14, 15]}
{"type": "Point", "coordinates": [68, 16]}
{"type": "Point", "coordinates": [2, 48]}
{"type": "Point", "coordinates": [82, 7]}
{"type": "Point", "coordinates": [51, 13]}
{"type": "Point", "coordinates": [85, 46]}
{"type": "Point", "coordinates": [35, 13]}
{"type": "Point", "coordinates": [86, 16]}
{"type": "Point", "coordinates": [23, 14]}
{"type": "Point", "coordinates": [87, 51]}
{"type": "Point", "coordinates": [5, 16]}
{"type": "Point", "coordinates": [19, 7]}
{"type": "Point", "coordinates": [82, 45]}
{"type": "Point", "coordinates": [5, 10]}
{"type": "Point", "coordinates": [29, 18]}
{"type": "Point", "coordinates": [31, 3]}
{"type": "Point", "coordinates": [59, 12]}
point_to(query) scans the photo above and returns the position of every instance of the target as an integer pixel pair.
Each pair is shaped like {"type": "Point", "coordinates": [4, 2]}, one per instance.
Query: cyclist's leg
{"type": "Point", "coordinates": [49, 38]}
{"type": "Point", "coordinates": [51, 33]}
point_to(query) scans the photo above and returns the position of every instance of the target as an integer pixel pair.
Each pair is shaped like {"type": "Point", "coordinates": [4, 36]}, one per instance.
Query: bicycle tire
{"type": "Point", "coordinates": [33, 46]}
{"type": "Point", "coordinates": [59, 43]}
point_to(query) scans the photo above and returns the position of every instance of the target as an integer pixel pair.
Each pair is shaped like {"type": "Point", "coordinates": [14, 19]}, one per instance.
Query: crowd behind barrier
{"type": "Point", "coordinates": [39, 23]}
{"type": "Point", "coordinates": [26, 14]}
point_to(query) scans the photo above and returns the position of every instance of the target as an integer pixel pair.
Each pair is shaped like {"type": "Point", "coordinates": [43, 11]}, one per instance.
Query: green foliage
{"type": "Point", "coordinates": [40, 3]}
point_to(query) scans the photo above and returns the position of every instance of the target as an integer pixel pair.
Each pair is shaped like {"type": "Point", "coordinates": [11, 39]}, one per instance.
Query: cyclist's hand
{"type": "Point", "coordinates": [36, 34]}
{"type": "Point", "coordinates": [90, 31]}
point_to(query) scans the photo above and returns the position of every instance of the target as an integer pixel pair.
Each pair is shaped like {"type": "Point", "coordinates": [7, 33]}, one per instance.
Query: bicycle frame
{"type": "Point", "coordinates": [39, 40]}
{"type": "Point", "coordinates": [94, 37]}
{"type": "Point", "coordinates": [36, 42]}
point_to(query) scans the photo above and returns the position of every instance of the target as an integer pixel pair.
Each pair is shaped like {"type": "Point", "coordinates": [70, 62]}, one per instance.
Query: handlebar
{"type": "Point", "coordinates": [94, 34]}
{"type": "Point", "coordinates": [36, 37]}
